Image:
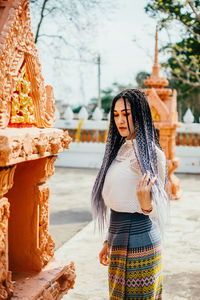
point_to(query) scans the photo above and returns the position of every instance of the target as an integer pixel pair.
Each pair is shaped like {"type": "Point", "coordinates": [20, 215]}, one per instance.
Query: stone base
{"type": "Point", "coordinates": [53, 282]}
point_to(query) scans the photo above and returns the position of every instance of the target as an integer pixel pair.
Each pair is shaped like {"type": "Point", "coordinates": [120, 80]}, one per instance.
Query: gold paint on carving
{"type": "Point", "coordinates": [155, 115]}
{"type": "Point", "coordinates": [22, 111]}
{"type": "Point", "coordinates": [16, 46]}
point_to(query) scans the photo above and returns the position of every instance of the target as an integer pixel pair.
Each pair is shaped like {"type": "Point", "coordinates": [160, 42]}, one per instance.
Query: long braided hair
{"type": "Point", "coordinates": [146, 141]}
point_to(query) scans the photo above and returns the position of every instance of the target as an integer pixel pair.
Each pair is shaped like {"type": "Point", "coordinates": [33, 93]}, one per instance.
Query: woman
{"type": "Point", "coordinates": [131, 183]}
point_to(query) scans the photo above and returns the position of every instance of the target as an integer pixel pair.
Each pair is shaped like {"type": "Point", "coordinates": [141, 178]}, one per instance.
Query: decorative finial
{"type": "Point", "coordinates": [156, 47]}
{"type": "Point", "coordinates": [188, 117]}
{"type": "Point", "coordinates": [155, 81]}
{"type": "Point", "coordinates": [156, 67]}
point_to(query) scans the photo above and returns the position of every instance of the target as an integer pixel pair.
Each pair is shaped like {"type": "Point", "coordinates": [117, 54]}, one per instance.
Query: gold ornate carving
{"type": "Point", "coordinates": [22, 110]}
{"type": "Point", "coordinates": [46, 244]}
{"type": "Point", "coordinates": [17, 45]}
{"type": "Point", "coordinates": [50, 107]}
{"type": "Point", "coordinates": [6, 285]}
{"type": "Point", "coordinates": [6, 179]}
{"type": "Point", "coordinates": [155, 115]}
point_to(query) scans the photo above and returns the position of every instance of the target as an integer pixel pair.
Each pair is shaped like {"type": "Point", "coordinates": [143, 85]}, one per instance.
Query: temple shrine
{"type": "Point", "coordinates": [163, 104]}
{"type": "Point", "coordinates": [28, 147]}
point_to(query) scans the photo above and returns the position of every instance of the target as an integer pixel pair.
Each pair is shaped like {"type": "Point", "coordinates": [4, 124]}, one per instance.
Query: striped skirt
{"type": "Point", "coordinates": [134, 255]}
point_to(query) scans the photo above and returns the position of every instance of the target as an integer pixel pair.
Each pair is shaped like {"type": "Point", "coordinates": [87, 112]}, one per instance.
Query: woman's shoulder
{"type": "Point", "coordinates": [124, 152]}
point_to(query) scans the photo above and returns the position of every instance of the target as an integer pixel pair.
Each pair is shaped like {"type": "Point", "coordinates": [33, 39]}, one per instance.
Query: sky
{"type": "Point", "coordinates": [125, 40]}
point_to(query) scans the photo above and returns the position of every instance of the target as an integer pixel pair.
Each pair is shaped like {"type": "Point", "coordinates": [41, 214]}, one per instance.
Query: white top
{"type": "Point", "coordinates": [119, 189]}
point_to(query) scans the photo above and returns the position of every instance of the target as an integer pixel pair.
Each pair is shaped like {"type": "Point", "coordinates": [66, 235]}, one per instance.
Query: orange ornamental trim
{"type": "Point", "coordinates": [22, 107]}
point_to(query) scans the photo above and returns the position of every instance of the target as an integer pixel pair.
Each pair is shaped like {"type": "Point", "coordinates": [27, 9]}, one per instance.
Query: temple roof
{"type": "Point", "coordinates": [24, 98]}
{"type": "Point", "coordinates": [7, 15]}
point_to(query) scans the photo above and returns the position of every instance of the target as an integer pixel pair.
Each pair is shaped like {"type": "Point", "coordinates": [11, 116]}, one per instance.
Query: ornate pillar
{"type": "Point", "coordinates": [28, 141]}
{"type": "Point", "coordinates": [30, 245]}
{"type": "Point", "coordinates": [45, 242]}
{"type": "Point", "coordinates": [167, 141]}
{"type": "Point", "coordinates": [6, 182]}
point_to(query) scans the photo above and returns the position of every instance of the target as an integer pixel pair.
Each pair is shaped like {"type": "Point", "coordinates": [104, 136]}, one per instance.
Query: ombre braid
{"type": "Point", "coordinates": [146, 140]}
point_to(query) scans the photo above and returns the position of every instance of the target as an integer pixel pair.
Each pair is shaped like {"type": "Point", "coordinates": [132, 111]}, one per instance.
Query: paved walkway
{"type": "Point", "coordinates": [181, 253]}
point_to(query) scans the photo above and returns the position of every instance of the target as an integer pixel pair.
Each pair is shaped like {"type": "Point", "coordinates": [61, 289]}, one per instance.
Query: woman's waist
{"type": "Point", "coordinates": [134, 223]}
{"type": "Point", "coordinates": [133, 216]}
{"type": "Point", "coordinates": [123, 204]}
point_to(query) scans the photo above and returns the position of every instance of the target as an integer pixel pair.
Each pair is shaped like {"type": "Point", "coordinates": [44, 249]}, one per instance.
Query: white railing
{"type": "Point", "coordinates": [89, 136]}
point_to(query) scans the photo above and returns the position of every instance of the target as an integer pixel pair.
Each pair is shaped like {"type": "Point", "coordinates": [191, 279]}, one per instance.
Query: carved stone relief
{"type": "Point", "coordinates": [59, 287]}
{"type": "Point", "coordinates": [46, 244]}
{"type": "Point", "coordinates": [16, 48]}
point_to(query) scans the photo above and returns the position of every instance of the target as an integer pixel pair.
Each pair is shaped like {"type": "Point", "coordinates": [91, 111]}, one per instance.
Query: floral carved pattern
{"type": "Point", "coordinates": [49, 168]}
{"type": "Point", "coordinates": [17, 46]}
{"type": "Point", "coordinates": [6, 285]}
{"type": "Point", "coordinates": [6, 179]}
{"type": "Point", "coordinates": [32, 144]}
{"type": "Point", "coordinates": [6, 182]}
{"type": "Point", "coordinates": [46, 244]}
{"type": "Point", "coordinates": [61, 285]}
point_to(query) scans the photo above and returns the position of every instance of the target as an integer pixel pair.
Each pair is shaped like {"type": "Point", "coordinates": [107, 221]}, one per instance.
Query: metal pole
{"type": "Point", "coordinates": [99, 80]}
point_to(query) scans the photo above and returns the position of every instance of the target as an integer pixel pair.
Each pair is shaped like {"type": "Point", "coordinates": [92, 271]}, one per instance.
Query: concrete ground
{"type": "Point", "coordinates": [73, 232]}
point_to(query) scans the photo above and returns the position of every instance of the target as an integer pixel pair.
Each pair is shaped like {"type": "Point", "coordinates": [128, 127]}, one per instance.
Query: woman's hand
{"type": "Point", "coordinates": [103, 255]}
{"type": "Point", "coordinates": [143, 191]}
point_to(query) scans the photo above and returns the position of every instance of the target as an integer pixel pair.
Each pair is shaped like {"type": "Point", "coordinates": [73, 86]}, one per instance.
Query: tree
{"type": "Point", "coordinates": [183, 65]}
{"type": "Point", "coordinates": [64, 31]}
{"type": "Point", "coordinates": [108, 95]}
{"type": "Point", "coordinates": [188, 97]}
{"type": "Point", "coordinates": [75, 15]}
{"type": "Point", "coordinates": [66, 27]}
{"type": "Point", "coordinates": [184, 61]}
{"type": "Point", "coordinates": [140, 78]}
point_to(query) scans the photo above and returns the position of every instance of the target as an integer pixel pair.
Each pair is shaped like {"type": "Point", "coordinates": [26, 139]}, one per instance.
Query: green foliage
{"type": "Point", "coordinates": [108, 95]}
{"type": "Point", "coordinates": [140, 79]}
{"type": "Point", "coordinates": [184, 62]}
{"type": "Point", "coordinates": [183, 65]}
{"type": "Point", "coordinates": [170, 10]}
{"type": "Point", "coordinates": [187, 97]}
{"type": "Point", "coordinates": [77, 109]}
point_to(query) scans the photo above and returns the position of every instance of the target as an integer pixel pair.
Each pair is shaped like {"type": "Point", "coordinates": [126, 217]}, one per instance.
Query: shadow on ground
{"type": "Point", "coordinates": [70, 216]}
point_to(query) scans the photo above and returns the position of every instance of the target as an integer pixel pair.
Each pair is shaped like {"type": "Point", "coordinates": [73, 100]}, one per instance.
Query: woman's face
{"type": "Point", "coordinates": [120, 118]}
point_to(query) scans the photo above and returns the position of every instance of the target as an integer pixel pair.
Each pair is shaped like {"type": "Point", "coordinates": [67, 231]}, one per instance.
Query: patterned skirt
{"type": "Point", "coordinates": [134, 254]}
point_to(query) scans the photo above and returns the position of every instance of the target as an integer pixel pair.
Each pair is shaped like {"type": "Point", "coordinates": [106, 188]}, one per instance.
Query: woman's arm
{"type": "Point", "coordinates": [107, 225]}
{"type": "Point", "coordinates": [103, 255]}
{"type": "Point", "coordinates": [161, 159]}
{"type": "Point", "coordinates": [143, 189]}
